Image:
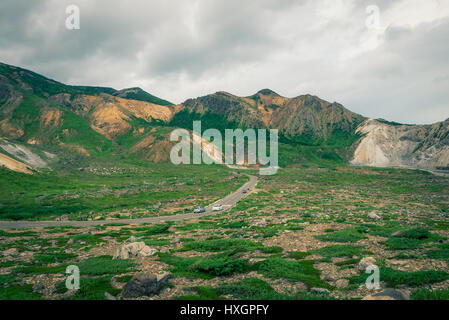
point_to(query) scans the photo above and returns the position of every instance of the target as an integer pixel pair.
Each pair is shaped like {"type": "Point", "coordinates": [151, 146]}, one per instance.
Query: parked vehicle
{"type": "Point", "coordinates": [217, 207]}
{"type": "Point", "coordinates": [244, 191]}
{"type": "Point", "coordinates": [199, 209]}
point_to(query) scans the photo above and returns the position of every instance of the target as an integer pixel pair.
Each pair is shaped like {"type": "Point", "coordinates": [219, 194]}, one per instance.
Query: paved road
{"type": "Point", "coordinates": [227, 203]}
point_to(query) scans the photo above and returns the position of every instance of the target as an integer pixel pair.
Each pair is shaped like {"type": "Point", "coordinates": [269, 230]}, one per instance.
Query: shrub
{"type": "Point", "coordinates": [215, 245]}
{"type": "Point", "coordinates": [298, 255]}
{"type": "Point", "coordinates": [442, 253]}
{"type": "Point", "coordinates": [248, 289]}
{"type": "Point", "coordinates": [24, 292]}
{"type": "Point", "coordinates": [412, 279]}
{"type": "Point", "coordinates": [425, 294]}
{"type": "Point", "coordinates": [416, 233]}
{"type": "Point", "coordinates": [257, 289]}
{"type": "Point", "coordinates": [94, 289]}
{"type": "Point", "coordinates": [402, 243]}
{"type": "Point", "coordinates": [340, 251]}
{"type": "Point", "coordinates": [205, 267]}
{"type": "Point", "coordinates": [105, 265]}
{"type": "Point", "coordinates": [275, 267]}
{"type": "Point", "coordinates": [347, 235]}
{"type": "Point", "coordinates": [156, 229]}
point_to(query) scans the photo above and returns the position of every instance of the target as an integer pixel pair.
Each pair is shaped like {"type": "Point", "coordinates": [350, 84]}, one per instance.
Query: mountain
{"type": "Point", "coordinates": [306, 119]}
{"type": "Point", "coordinates": [139, 94]}
{"type": "Point", "coordinates": [49, 117]}
{"type": "Point", "coordinates": [391, 145]}
{"type": "Point", "coordinates": [318, 130]}
{"type": "Point", "coordinates": [88, 121]}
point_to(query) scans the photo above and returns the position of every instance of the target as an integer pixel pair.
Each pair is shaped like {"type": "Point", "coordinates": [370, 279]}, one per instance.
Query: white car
{"type": "Point", "coordinates": [199, 209]}
{"type": "Point", "coordinates": [217, 207]}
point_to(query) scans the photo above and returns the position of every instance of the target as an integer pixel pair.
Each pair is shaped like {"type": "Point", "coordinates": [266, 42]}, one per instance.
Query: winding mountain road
{"type": "Point", "coordinates": [227, 202]}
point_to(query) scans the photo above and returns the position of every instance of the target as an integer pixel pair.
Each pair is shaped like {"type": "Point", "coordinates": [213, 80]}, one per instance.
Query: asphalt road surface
{"type": "Point", "coordinates": [228, 202]}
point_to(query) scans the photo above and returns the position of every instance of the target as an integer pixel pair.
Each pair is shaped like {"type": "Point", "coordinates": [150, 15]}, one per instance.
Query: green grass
{"type": "Point", "coordinates": [275, 267]}
{"type": "Point", "coordinates": [221, 264]}
{"type": "Point", "coordinates": [216, 245]}
{"type": "Point", "coordinates": [248, 289]}
{"type": "Point", "coordinates": [90, 289]}
{"type": "Point", "coordinates": [7, 279]}
{"type": "Point", "coordinates": [425, 294]}
{"type": "Point", "coordinates": [53, 258]}
{"type": "Point", "coordinates": [202, 293]}
{"type": "Point", "coordinates": [153, 230]}
{"type": "Point", "coordinates": [442, 253]}
{"type": "Point", "coordinates": [257, 289]}
{"type": "Point", "coordinates": [411, 239]}
{"type": "Point", "coordinates": [298, 255]}
{"type": "Point", "coordinates": [347, 235]}
{"type": "Point", "coordinates": [18, 292]}
{"type": "Point", "coordinates": [102, 265]}
{"type": "Point", "coordinates": [412, 279]}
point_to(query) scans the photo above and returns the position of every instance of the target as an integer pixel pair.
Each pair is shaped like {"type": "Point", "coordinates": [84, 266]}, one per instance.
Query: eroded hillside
{"type": "Point", "coordinates": [386, 145]}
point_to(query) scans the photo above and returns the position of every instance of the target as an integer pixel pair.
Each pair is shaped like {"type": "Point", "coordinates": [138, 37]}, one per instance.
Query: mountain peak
{"type": "Point", "coordinates": [137, 93]}
{"type": "Point", "coordinates": [267, 92]}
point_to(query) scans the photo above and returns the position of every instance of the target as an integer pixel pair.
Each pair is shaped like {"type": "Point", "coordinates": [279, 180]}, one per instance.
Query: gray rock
{"type": "Point", "coordinates": [144, 284]}
{"type": "Point", "coordinates": [135, 249]}
{"type": "Point", "coordinates": [374, 216]}
{"type": "Point", "coordinates": [131, 239]}
{"type": "Point", "coordinates": [163, 278]}
{"type": "Point", "coordinates": [319, 291]}
{"type": "Point", "coordinates": [109, 296]}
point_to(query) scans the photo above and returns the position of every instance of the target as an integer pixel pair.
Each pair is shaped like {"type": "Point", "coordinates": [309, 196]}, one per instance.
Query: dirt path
{"type": "Point", "coordinates": [228, 202]}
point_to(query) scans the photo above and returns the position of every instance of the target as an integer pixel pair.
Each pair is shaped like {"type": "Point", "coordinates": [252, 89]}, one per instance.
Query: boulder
{"type": "Point", "coordinates": [365, 263]}
{"type": "Point", "coordinates": [144, 284]}
{"type": "Point", "coordinates": [374, 216]}
{"type": "Point", "coordinates": [134, 249]}
{"type": "Point", "coordinates": [319, 291]}
{"type": "Point", "coordinates": [109, 296]}
{"type": "Point", "coordinates": [131, 239]}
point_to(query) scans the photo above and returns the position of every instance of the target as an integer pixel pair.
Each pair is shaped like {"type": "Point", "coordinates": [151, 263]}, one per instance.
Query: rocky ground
{"type": "Point", "coordinates": [302, 234]}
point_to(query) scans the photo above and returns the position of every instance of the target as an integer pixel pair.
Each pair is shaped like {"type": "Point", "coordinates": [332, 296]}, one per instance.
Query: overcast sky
{"type": "Point", "coordinates": [179, 49]}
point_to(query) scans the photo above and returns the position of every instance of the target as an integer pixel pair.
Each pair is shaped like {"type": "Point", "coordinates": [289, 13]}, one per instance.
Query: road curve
{"type": "Point", "coordinates": [227, 202]}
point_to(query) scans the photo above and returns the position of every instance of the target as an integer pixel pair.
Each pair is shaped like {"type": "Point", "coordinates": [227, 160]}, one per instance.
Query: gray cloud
{"type": "Point", "coordinates": [185, 48]}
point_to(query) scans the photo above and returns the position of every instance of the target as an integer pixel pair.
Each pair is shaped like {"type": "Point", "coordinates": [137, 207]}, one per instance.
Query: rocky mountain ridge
{"type": "Point", "coordinates": [94, 121]}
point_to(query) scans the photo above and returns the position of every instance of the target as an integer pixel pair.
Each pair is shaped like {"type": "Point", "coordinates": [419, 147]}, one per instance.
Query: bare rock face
{"type": "Point", "coordinates": [390, 145]}
{"type": "Point", "coordinates": [144, 284]}
{"type": "Point", "coordinates": [134, 249]}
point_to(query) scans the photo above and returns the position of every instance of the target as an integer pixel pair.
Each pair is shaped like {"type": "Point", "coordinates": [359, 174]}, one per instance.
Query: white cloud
{"type": "Point", "coordinates": [186, 48]}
